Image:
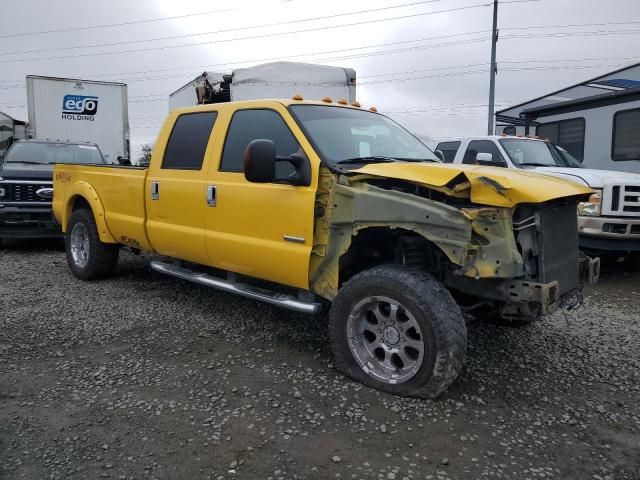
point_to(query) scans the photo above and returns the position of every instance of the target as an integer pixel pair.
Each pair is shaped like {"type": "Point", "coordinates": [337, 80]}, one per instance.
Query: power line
{"type": "Point", "coordinates": [201, 67]}
{"type": "Point", "coordinates": [235, 29]}
{"type": "Point", "coordinates": [572, 25]}
{"type": "Point", "coordinates": [252, 37]}
{"type": "Point", "coordinates": [108, 25]}
{"type": "Point", "coordinates": [397, 78]}
{"type": "Point", "coordinates": [509, 62]}
{"type": "Point", "coordinates": [574, 34]}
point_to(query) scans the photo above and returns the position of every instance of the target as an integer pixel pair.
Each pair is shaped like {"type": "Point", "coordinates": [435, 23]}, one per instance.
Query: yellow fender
{"type": "Point", "coordinates": [87, 192]}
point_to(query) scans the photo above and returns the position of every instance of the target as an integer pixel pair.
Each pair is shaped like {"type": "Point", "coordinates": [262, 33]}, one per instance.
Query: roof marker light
{"type": "Point", "coordinates": [356, 104]}
{"type": "Point", "coordinates": [297, 96]}
{"type": "Point", "coordinates": [373, 109]}
{"type": "Point", "coordinates": [342, 101]}
{"type": "Point", "coordinates": [327, 99]}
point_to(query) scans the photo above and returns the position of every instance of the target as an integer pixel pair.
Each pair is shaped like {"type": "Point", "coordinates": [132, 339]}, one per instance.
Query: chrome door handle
{"type": "Point", "coordinates": [155, 191]}
{"type": "Point", "coordinates": [211, 196]}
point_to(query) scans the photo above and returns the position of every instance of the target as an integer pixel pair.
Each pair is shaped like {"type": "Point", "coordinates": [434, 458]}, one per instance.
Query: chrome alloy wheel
{"type": "Point", "coordinates": [80, 245]}
{"type": "Point", "coordinates": [385, 339]}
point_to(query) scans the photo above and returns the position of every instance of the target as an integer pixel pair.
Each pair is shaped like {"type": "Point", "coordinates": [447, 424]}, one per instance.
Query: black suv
{"type": "Point", "coordinates": [26, 186]}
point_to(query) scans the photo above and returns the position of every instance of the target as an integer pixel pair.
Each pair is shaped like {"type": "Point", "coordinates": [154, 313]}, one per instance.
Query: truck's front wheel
{"type": "Point", "coordinates": [87, 256]}
{"type": "Point", "coordinates": [398, 330]}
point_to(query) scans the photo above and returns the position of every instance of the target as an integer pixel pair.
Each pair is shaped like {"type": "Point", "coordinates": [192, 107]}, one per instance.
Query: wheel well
{"type": "Point", "coordinates": [381, 245]}
{"type": "Point", "coordinates": [80, 203]}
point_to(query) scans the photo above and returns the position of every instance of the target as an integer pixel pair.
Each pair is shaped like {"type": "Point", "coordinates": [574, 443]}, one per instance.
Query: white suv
{"type": "Point", "coordinates": [608, 222]}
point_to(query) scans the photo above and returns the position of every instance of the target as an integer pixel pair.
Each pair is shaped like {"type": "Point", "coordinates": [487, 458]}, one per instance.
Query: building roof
{"type": "Point", "coordinates": [16, 121]}
{"type": "Point", "coordinates": [615, 84]}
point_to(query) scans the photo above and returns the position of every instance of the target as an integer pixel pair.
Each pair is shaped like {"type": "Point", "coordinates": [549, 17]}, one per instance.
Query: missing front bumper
{"type": "Point", "coordinates": [544, 297]}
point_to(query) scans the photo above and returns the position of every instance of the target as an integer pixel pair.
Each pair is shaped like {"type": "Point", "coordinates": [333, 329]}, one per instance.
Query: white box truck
{"type": "Point", "coordinates": [269, 80]}
{"type": "Point", "coordinates": [80, 110]}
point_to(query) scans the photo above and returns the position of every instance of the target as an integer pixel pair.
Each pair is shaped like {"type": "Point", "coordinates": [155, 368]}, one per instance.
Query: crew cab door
{"type": "Point", "coordinates": [176, 188]}
{"type": "Point", "coordinates": [264, 230]}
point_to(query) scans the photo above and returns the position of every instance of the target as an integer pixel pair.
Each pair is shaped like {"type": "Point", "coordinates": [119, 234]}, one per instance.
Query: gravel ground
{"type": "Point", "coordinates": [144, 376]}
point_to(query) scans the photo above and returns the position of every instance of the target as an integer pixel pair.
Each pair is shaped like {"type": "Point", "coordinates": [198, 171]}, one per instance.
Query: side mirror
{"type": "Point", "coordinates": [483, 158]}
{"type": "Point", "coordinates": [440, 155]}
{"type": "Point", "coordinates": [260, 161]}
{"type": "Point", "coordinates": [123, 161]}
{"type": "Point", "coordinates": [260, 165]}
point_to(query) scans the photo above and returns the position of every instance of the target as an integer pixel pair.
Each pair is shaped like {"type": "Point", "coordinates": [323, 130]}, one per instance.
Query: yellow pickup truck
{"type": "Point", "coordinates": [304, 204]}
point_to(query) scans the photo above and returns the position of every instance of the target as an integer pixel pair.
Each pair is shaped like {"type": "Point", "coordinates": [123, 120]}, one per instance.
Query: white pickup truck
{"type": "Point", "coordinates": [608, 222]}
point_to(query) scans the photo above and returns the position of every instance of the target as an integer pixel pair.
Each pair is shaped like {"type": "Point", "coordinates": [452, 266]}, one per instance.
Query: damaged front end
{"type": "Point", "coordinates": [520, 258]}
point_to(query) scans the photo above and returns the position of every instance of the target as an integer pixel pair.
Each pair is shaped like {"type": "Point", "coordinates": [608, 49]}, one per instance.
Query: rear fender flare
{"type": "Point", "coordinates": [85, 191]}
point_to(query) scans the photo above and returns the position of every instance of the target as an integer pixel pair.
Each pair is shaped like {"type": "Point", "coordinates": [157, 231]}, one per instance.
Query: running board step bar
{"type": "Point", "coordinates": [280, 299]}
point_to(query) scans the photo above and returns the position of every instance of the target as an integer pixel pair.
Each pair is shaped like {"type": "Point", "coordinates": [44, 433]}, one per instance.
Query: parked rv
{"type": "Point", "coordinates": [597, 121]}
{"type": "Point", "coordinates": [608, 222]}
{"type": "Point", "coordinates": [80, 111]}
{"type": "Point", "coordinates": [269, 80]}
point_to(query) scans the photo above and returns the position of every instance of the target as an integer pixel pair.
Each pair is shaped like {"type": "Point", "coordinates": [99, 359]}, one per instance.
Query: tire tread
{"type": "Point", "coordinates": [429, 295]}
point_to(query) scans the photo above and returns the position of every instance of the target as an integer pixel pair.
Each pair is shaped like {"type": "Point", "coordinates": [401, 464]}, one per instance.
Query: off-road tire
{"type": "Point", "coordinates": [102, 257]}
{"type": "Point", "coordinates": [441, 322]}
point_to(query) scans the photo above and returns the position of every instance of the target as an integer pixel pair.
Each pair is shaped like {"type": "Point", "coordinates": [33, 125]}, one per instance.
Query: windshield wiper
{"type": "Point", "coordinates": [420, 160]}
{"type": "Point", "coordinates": [534, 164]}
{"type": "Point", "coordinates": [25, 161]}
{"type": "Point", "coordinates": [371, 159]}
{"type": "Point", "coordinates": [381, 159]}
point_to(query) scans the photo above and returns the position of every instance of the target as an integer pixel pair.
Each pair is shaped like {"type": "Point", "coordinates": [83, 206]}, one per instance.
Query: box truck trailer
{"type": "Point", "coordinates": [80, 110]}
{"type": "Point", "coordinates": [269, 80]}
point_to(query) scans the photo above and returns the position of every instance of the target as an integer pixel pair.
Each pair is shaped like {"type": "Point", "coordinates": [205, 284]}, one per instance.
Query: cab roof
{"type": "Point", "coordinates": [489, 137]}
{"type": "Point", "coordinates": [56, 142]}
{"type": "Point", "coordinates": [327, 102]}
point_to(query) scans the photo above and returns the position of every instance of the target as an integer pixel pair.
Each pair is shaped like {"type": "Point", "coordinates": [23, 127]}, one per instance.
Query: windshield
{"type": "Point", "coordinates": [345, 135]}
{"type": "Point", "coordinates": [535, 153]}
{"type": "Point", "coordinates": [49, 153]}
{"type": "Point", "coordinates": [569, 159]}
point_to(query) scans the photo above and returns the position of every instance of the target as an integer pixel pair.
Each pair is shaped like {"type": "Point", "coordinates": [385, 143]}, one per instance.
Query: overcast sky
{"type": "Point", "coordinates": [433, 77]}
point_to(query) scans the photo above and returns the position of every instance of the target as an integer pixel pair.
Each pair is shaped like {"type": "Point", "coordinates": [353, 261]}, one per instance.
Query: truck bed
{"type": "Point", "coordinates": [121, 198]}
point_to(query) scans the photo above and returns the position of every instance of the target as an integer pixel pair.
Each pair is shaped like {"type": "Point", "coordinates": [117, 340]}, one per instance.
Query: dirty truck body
{"type": "Point", "coordinates": [302, 204]}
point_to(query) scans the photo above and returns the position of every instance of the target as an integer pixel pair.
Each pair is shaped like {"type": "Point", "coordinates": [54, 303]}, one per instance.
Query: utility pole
{"type": "Point", "coordinates": [494, 69]}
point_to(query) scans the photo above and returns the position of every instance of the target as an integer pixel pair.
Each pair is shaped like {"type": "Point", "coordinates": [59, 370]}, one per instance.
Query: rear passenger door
{"type": "Point", "coordinates": [176, 189]}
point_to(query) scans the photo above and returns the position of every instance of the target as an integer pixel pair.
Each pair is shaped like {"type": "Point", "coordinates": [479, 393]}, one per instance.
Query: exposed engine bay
{"type": "Point", "coordinates": [520, 260]}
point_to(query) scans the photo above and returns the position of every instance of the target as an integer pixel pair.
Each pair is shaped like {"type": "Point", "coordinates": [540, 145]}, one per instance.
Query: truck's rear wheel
{"type": "Point", "coordinates": [87, 256]}
{"type": "Point", "coordinates": [398, 330]}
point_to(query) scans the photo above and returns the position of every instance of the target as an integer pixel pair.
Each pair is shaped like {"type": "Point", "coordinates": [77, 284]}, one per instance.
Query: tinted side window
{"type": "Point", "coordinates": [569, 134]}
{"type": "Point", "coordinates": [449, 150]}
{"type": "Point", "coordinates": [188, 141]}
{"type": "Point", "coordinates": [249, 125]}
{"type": "Point", "coordinates": [626, 135]}
{"type": "Point", "coordinates": [481, 146]}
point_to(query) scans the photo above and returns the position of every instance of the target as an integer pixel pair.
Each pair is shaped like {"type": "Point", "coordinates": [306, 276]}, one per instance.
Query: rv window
{"type": "Point", "coordinates": [449, 150]}
{"type": "Point", "coordinates": [626, 135]}
{"type": "Point", "coordinates": [569, 134]}
{"type": "Point", "coordinates": [188, 141]}
{"type": "Point", "coordinates": [249, 125]}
